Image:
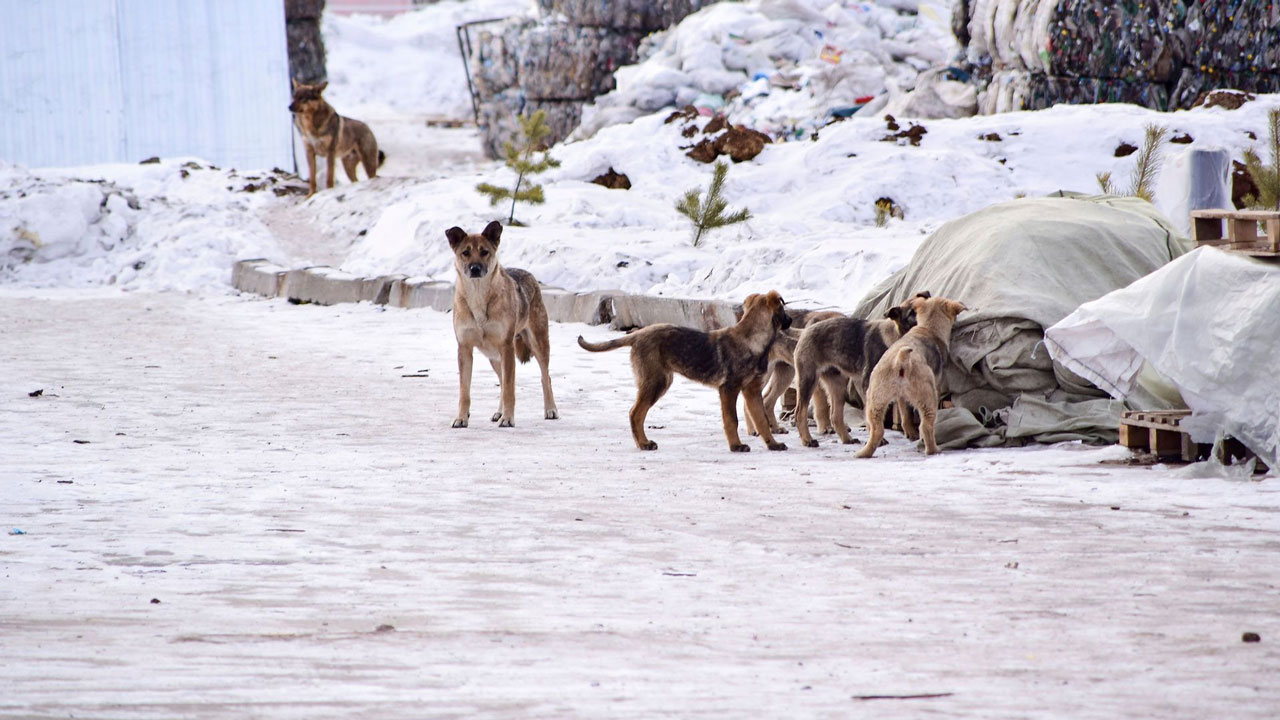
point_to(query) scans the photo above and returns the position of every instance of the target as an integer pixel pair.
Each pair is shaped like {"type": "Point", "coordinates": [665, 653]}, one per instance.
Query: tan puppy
{"type": "Point", "coordinates": [733, 360]}
{"type": "Point", "coordinates": [909, 371]}
{"type": "Point", "coordinates": [326, 132]}
{"type": "Point", "coordinates": [782, 372]}
{"type": "Point", "coordinates": [499, 311]}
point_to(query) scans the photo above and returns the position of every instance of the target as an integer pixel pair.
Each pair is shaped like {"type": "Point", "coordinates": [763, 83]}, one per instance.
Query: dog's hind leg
{"type": "Point", "coordinates": [875, 423]}
{"type": "Point", "coordinates": [833, 384]}
{"type": "Point", "coordinates": [779, 381]}
{"type": "Point", "coordinates": [350, 162]}
{"type": "Point", "coordinates": [465, 362]}
{"type": "Point", "coordinates": [806, 379]}
{"type": "Point", "coordinates": [540, 343]}
{"type": "Point", "coordinates": [648, 390]}
{"type": "Point", "coordinates": [755, 407]}
{"type": "Point", "coordinates": [907, 419]}
{"type": "Point", "coordinates": [822, 412]}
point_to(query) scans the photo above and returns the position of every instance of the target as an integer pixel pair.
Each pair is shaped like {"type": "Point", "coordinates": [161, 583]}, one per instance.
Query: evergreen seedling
{"type": "Point", "coordinates": [1266, 177]}
{"type": "Point", "coordinates": [1145, 171]}
{"type": "Point", "coordinates": [709, 213]}
{"type": "Point", "coordinates": [526, 157]}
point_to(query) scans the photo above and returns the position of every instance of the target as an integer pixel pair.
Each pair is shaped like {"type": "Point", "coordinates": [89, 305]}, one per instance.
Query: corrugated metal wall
{"type": "Point", "coordinates": [97, 81]}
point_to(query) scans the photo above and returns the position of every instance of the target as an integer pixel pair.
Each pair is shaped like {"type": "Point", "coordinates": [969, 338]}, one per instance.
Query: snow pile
{"type": "Point", "coordinates": [407, 64]}
{"type": "Point", "coordinates": [174, 225]}
{"type": "Point", "coordinates": [780, 66]}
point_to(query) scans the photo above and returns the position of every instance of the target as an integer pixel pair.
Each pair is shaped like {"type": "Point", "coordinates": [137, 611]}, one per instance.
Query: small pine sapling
{"type": "Point", "coordinates": [1145, 170]}
{"type": "Point", "coordinates": [709, 213]}
{"type": "Point", "coordinates": [525, 160]}
{"type": "Point", "coordinates": [1266, 177]}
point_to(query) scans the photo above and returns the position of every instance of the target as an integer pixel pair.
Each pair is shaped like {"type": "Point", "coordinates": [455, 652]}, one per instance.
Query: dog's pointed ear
{"type": "Point", "coordinates": [924, 294]}
{"type": "Point", "coordinates": [493, 232]}
{"type": "Point", "coordinates": [296, 84]}
{"type": "Point", "coordinates": [455, 235]}
{"type": "Point", "coordinates": [895, 313]}
{"type": "Point", "coordinates": [320, 88]}
{"type": "Point", "coordinates": [955, 307]}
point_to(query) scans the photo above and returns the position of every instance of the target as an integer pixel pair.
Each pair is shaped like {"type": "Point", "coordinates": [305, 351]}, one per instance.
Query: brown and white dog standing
{"type": "Point", "coordinates": [326, 132]}
{"type": "Point", "coordinates": [734, 360]}
{"type": "Point", "coordinates": [499, 311]}
{"type": "Point", "coordinates": [909, 371]}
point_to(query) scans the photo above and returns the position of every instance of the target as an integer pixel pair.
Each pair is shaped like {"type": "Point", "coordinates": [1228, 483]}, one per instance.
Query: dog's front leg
{"type": "Point", "coordinates": [729, 417]}
{"type": "Point", "coordinates": [331, 162]}
{"type": "Point", "coordinates": [311, 170]}
{"type": "Point", "coordinates": [464, 386]}
{"type": "Point", "coordinates": [755, 410]}
{"type": "Point", "coordinates": [508, 380]}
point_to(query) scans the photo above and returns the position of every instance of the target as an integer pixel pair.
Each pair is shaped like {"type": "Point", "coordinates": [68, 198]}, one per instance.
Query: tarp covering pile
{"type": "Point", "coordinates": [1022, 266]}
{"type": "Point", "coordinates": [1159, 53]}
{"type": "Point", "coordinates": [1208, 324]}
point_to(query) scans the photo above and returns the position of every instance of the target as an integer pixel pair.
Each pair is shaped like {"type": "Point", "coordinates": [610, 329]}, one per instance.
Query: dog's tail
{"type": "Point", "coordinates": [607, 344]}
{"type": "Point", "coordinates": [382, 157]}
{"type": "Point", "coordinates": [523, 352]}
{"type": "Point", "coordinates": [900, 361]}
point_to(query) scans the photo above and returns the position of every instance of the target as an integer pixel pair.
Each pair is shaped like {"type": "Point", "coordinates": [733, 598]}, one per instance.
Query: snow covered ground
{"type": "Point", "coordinates": [233, 508]}
{"type": "Point", "coordinates": [240, 508]}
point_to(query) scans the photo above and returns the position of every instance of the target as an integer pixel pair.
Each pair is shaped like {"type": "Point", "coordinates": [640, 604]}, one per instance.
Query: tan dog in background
{"type": "Point", "coordinates": [782, 371]}
{"type": "Point", "coordinates": [499, 311]}
{"type": "Point", "coordinates": [326, 132]}
{"type": "Point", "coordinates": [733, 360]}
{"type": "Point", "coordinates": [909, 371]}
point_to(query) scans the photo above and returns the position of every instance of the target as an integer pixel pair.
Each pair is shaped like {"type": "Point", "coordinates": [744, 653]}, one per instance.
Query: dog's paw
{"type": "Point", "coordinates": [811, 443]}
{"type": "Point", "coordinates": [651, 445]}
{"type": "Point", "coordinates": [848, 441]}
{"type": "Point", "coordinates": [777, 446]}
{"type": "Point", "coordinates": [496, 416]}
{"type": "Point", "coordinates": [552, 414]}
{"type": "Point", "coordinates": [752, 432]}
{"type": "Point", "coordinates": [866, 452]}
{"type": "Point", "coordinates": [506, 422]}
{"type": "Point", "coordinates": [780, 430]}
{"type": "Point", "coordinates": [740, 448]}
{"type": "Point", "coordinates": [827, 431]}
{"type": "Point", "coordinates": [460, 423]}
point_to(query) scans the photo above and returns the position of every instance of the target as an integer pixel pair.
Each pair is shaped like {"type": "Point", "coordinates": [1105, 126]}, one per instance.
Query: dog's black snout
{"type": "Point", "coordinates": [476, 270]}
{"type": "Point", "coordinates": [786, 321]}
{"type": "Point", "coordinates": [293, 107]}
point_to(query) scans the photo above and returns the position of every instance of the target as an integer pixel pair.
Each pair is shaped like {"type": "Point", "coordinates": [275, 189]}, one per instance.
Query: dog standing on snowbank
{"type": "Point", "coordinates": [325, 131]}
{"type": "Point", "coordinates": [909, 371]}
{"type": "Point", "coordinates": [734, 360]}
{"type": "Point", "coordinates": [499, 311]}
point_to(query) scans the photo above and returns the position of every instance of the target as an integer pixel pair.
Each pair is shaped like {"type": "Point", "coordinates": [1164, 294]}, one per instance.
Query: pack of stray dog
{"type": "Point", "coordinates": [894, 363]}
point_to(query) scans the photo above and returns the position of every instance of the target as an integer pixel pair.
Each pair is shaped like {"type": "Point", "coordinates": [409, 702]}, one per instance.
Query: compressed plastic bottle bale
{"type": "Point", "coordinates": [562, 61]}
{"type": "Point", "coordinates": [1194, 84]}
{"type": "Point", "coordinates": [500, 124]}
{"type": "Point", "coordinates": [634, 15]}
{"type": "Point", "coordinates": [493, 55]}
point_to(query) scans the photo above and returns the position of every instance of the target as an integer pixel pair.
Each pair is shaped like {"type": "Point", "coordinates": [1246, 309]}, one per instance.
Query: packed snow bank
{"type": "Point", "coordinates": [407, 64]}
{"type": "Point", "coordinates": [780, 66]}
{"type": "Point", "coordinates": [175, 225]}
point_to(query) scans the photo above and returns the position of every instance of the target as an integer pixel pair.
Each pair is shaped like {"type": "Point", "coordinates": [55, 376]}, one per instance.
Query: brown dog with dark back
{"type": "Point", "coordinates": [499, 311]}
{"type": "Point", "coordinates": [734, 360]}
{"type": "Point", "coordinates": [326, 132]}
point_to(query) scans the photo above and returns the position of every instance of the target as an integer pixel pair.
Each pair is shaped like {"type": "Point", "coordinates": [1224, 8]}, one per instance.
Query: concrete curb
{"type": "Point", "coordinates": [328, 286]}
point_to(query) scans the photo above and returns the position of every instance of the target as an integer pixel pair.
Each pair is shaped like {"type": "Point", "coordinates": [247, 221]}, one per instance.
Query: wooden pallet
{"type": "Point", "coordinates": [1251, 232]}
{"type": "Point", "coordinates": [1159, 433]}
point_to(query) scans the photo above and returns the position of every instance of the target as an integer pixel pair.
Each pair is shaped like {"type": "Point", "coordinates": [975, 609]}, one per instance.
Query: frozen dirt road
{"type": "Point", "coordinates": [239, 508]}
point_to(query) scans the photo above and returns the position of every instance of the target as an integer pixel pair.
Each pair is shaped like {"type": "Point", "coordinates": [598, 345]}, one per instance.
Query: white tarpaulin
{"type": "Point", "coordinates": [1209, 324]}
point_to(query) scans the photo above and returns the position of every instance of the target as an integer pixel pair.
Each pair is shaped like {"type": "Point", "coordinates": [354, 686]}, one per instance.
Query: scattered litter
{"type": "Point", "coordinates": [385, 628]}
{"type": "Point", "coordinates": [1251, 637]}
{"type": "Point", "coordinates": [16, 531]}
{"type": "Point", "coordinates": [36, 393]}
